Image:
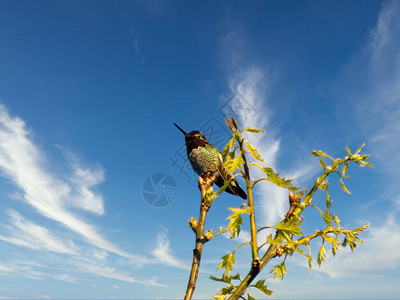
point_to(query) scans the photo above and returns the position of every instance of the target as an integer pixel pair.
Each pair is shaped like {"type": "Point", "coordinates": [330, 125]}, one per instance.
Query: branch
{"type": "Point", "coordinates": [295, 210]}
{"type": "Point", "coordinates": [205, 185]}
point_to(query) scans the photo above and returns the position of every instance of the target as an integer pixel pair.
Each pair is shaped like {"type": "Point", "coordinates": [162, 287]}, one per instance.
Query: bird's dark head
{"type": "Point", "coordinates": [194, 138]}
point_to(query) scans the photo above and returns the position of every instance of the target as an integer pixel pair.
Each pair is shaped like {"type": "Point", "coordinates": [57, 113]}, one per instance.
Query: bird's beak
{"type": "Point", "coordinates": [183, 131]}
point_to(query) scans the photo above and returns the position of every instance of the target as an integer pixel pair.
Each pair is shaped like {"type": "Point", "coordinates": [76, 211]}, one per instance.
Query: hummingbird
{"type": "Point", "coordinates": [204, 157]}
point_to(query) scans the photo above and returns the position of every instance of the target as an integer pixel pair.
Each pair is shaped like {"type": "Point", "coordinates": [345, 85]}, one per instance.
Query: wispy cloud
{"type": "Point", "coordinates": [83, 180]}
{"type": "Point", "coordinates": [25, 269]}
{"type": "Point", "coordinates": [109, 272]}
{"type": "Point", "coordinates": [255, 82]}
{"type": "Point", "coordinates": [28, 234]}
{"type": "Point", "coordinates": [53, 197]}
{"type": "Point", "coordinates": [164, 255]}
{"type": "Point", "coordinates": [22, 162]}
{"type": "Point", "coordinates": [365, 260]}
{"type": "Point", "coordinates": [372, 83]}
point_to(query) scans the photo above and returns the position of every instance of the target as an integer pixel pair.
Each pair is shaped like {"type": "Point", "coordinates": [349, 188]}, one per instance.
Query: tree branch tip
{"type": "Point", "coordinates": [279, 251]}
{"type": "Point", "coordinates": [209, 235]}
{"type": "Point", "coordinates": [193, 223]}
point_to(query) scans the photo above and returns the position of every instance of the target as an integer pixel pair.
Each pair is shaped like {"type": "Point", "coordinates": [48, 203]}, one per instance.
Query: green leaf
{"type": "Point", "coordinates": [268, 171]}
{"type": "Point", "coordinates": [226, 279]}
{"type": "Point", "coordinates": [345, 168]}
{"type": "Point", "coordinates": [236, 220]}
{"type": "Point", "coordinates": [327, 217]}
{"type": "Point", "coordinates": [250, 297]}
{"type": "Point", "coordinates": [336, 220]}
{"type": "Point", "coordinates": [343, 186]}
{"type": "Point", "coordinates": [220, 296]}
{"type": "Point", "coordinates": [227, 290]}
{"type": "Point", "coordinates": [229, 146]}
{"type": "Point", "coordinates": [359, 150]}
{"type": "Point", "coordinates": [324, 185]}
{"type": "Point", "coordinates": [328, 200]}
{"type": "Point", "coordinates": [227, 262]}
{"type": "Point", "coordinates": [322, 163]}
{"type": "Point", "coordinates": [274, 178]}
{"type": "Point", "coordinates": [280, 182]}
{"type": "Point", "coordinates": [348, 150]}
{"type": "Point", "coordinates": [291, 226]}
{"type": "Point", "coordinates": [222, 188]}
{"type": "Point", "coordinates": [262, 287]}
{"type": "Point", "coordinates": [309, 258]}
{"type": "Point", "coordinates": [321, 254]}
{"type": "Point", "coordinates": [335, 247]}
{"type": "Point", "coordinates": [319, 153]}
{"type": "Point", "coordinates": [232, 165]}
{"type": "Point", "coordinates": [362, 228]}
{"type": "Point", "coordinates": [279, 271]}
{"type": "Point", "coordinates": [253, 151]}
{"type": "Point", "coordinates": [274, 241]}
{"type": "Point", "coordinates": [234, 122]}
{"type": "Point", "coordinates": [254, 130]}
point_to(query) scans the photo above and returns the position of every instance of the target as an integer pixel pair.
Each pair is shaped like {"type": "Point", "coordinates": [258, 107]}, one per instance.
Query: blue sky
{"type": "Point", "coordinates": [88, 94]}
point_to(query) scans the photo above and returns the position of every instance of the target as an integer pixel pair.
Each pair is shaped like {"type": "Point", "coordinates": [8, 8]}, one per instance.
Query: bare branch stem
{"type": "Point", "coordinates": [205, 184]}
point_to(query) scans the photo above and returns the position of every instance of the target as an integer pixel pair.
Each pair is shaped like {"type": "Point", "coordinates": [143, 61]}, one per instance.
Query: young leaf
{"type": "Point", "coordinates": [279, 271]}
{"type": "Point", "coordinates": [229, 146]}
{"type": "Point", "coordinates": [220, 296]}
{"type": "Point", "coordinates": [253, 151]}
{"type": "Point", "coordinates": [359, 150]}
{"type": "Point", "coordinates": [226, 279]}
{"type": "Point", "coordinates": [230, 125]}
{"type": "Point", "coordinates": [344, 170]}
{"type": "Point", "coordinates": [321, 254]}
{"type": "Point", "coordinates": [232, 165]}
{"type": "Point", "coordinates": [280, 182]}
{"type": "Point", "coordinates": [348, 150]}
{"type": "Point", "coordinates": [227, 290]}
{"type": "Point", "coordinates": [328, 200]}
{"type": "Point", "coordinates": [309, 258]}
{"type": "Point", "coordinates": [250, 297]}
{"type": "Point", "coordinates": [262, 287]}
{"type": "Point", "coordinates": [227, 262]}
{"type": "Point", "coordinates": [343, 186]}
{"type": "Point", "coordinates": [234, 122]}
{"type": "Point", "coordinates": [268, 171]}
{"type": "Point", "coordinates": [291, 226]}
{"type": "Point", "coordinates": [319, 153]}
{"type": "Point", "coordinates": [236, 220]}
{"type": "Point", "coordinates": [335, 247]}
{"type": "Point", "coordinates": [254, 130]}
{"type": "Point", "coordinates": [322, 163]}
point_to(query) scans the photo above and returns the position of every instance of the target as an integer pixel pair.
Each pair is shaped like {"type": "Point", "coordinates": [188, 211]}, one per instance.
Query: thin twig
{"type": "Point", "coordinates": [205, 184]}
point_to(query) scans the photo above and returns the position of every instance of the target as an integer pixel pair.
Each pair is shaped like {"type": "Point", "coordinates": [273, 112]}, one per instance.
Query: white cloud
{"type": "Point", "coordinates": [111, 273]}
{"type": "Point", "coordinates": [254, 83]}
{"type": "Point", "coordinates": [28, 234]}
{"type": "Point", "coordinates": [379, 254]}
{"type": "Point", "coordinates": [24, 165]}
{"type": "Point", "coordinates": [372, 84]}
{"type": "Point", "coordinates": [83, 180]}
{"type": "Point", "coordinates": [22, 162]}
{"type": "Point", "coordinates": [163, 253]}
{"type": "Point", "coordinates": [378, 91]}
{"type": "Point", "coordinates": [66, 278]}
{"type": "Point", "coordinates": [25, 269]}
